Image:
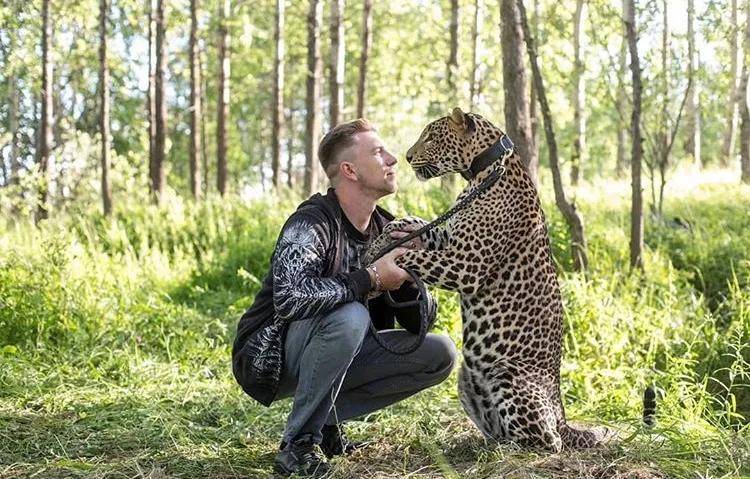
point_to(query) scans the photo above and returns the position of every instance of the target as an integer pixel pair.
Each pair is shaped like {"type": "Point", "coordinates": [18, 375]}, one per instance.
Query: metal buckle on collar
{"type": "Point", "coordinates": [507, 144]}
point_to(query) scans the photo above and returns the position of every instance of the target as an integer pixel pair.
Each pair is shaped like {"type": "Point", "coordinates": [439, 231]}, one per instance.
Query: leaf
{"type": "Point", "coordinates": [9, 349]}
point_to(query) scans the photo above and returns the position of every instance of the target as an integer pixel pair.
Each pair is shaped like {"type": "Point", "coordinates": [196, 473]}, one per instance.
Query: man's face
{"type": "Point", "coordinates": [374, 165]}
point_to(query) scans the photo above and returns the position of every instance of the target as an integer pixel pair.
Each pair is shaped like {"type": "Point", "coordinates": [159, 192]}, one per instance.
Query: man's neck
{"type": "Point", "coordinates": [357, 206]}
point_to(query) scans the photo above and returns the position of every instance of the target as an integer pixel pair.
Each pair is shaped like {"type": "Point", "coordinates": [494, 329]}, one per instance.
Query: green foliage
{"type": "Point", "coordinates": [115, 335]}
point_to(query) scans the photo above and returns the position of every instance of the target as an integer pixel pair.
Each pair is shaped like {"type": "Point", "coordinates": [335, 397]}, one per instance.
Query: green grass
{"type": "Point", "coordinates": [115, 339]}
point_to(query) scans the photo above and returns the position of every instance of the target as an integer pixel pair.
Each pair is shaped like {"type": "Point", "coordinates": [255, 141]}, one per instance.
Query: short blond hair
{"type": "Point", "coordinates": [337, 139]}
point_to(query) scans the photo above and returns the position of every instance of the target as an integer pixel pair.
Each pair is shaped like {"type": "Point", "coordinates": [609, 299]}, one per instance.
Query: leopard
{"type": "Point", "coordinates": [495, 253]}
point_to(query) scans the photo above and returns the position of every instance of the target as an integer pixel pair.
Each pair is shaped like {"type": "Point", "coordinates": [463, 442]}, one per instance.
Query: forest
{"type": "Point", "coordinates": [150, 152]}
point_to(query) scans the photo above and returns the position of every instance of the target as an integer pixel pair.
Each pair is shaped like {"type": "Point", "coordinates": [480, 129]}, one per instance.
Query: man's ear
{"type": "Point", "coordinates": [346, 170]}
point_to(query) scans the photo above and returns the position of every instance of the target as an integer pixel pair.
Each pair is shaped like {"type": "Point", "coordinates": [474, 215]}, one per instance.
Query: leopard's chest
{"type": "Point", "coordinates": [518, 311]}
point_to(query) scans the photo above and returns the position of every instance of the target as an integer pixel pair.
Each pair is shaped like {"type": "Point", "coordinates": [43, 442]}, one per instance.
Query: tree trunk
{"type": "Point", "coordinates": [222, 112]}
{"type": "Point", "coordinates": [104, 106]}
{"type": "Point", "coordinates": [204, 143]}
{"type": "Point", "coordinates": [693, 145]}
{"type": "Point", "coordinates": [745, 138]}
{"type": "Point", "coordinates": [517, 117]}
{"type": "Point", "coordinates": [475, 41]}
{"type": "Point", "coordinates": [45, 127]}
{"type": "Point", "coordinates": [533, 112]}
{"type": "Point", "coordinates": [58, 112]}
{"type": "Point", "coordinates": [568, 209]}
{"type": "Point", "coordinates": [13, 102]}
{"type": "Point", "coordinates": [160, 106]}
{"type": "Point", "coordinates": [277, 116]}
{"type": "Point", "coordinates": [151, 97]}
{"type": "Point", "coordinates": [452, 64]}
{"type": "Point", "coordinates": [449, 182]}
{"type": "Point", "coordinates": [622, 103]}
{"type": "Point", "coordinates": [312, 103]}
{"type": "Point", "coordinates": [728, 145]}
{"type": "Point", "coordinates": [636, 211]}
{"type": "Point", "coordinates": [579, 92]}
{"type": "Point", "coordinates": [290, 149]}
{"type": "Point", "coordinates": [13, 124]}
{"type": "Point", "coordinates": [5, 178]}
{"type": "Point", "coordinates": [665, 127]}
{"type": "Point", "coordinates": [338, 60]}
{"type": "Point", "coordinates": [745, 113]}
{"type": "Point", "coordinates": [196, 112]}
{"type": "Point", "coordinates": [363, 57]}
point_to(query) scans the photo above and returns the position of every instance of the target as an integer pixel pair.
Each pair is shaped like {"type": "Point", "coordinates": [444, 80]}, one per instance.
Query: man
{"type": "Point", "coordinates": [317, 286]}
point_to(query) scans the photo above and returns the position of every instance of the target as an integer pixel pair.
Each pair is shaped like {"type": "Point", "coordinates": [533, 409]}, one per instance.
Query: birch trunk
{"type": "Point", "coordinates": [364, 55]}
{"type": "Point", "coordinates": [517, 117]}
{"type": "Point", "coordinates": [104, 107]}
{"type": "Point", "coordinates": [222, 109]}
{"type": "Point", "coordinates": [579, 92]}
{"type": "Point", "coordinates": [196, 112]}
{"type": "Point", "coordinates": [45, 127]}
{"type": "Point", "coordinates": [567, 208]}
{"type": "Point", "coordinates": [277, 120]}
{"type": "Point", "coordinates": [636, 210]}
{"type": "Point", "coordinates": [314, 67]}
{"type": "Point", "coordinates": [338, 61]}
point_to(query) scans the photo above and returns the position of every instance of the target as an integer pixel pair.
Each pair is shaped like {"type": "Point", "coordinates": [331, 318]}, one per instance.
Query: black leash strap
{"type": "Point", "coordinates": [503, 148]}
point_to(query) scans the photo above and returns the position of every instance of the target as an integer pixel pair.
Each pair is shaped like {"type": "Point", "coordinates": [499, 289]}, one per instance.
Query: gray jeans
{"type": "Point", "coordinates": [334, 360]}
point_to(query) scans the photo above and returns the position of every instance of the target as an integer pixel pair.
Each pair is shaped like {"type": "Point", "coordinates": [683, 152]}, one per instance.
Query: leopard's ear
{"type": "Point", "coordinates": [471, 126]}
{"type": "Point", "coordinates": [462, 122]}
{"type": "Point", "coordinates": [457, 117]}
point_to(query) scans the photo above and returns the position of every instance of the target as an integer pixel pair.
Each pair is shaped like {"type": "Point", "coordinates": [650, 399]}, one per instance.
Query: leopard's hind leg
{"type": "Point", "coordinates": [475, 402]}
{"type": "Point", "coordinates": [510, 404]}
{"type": "Point", "coordinates": [576, 437]}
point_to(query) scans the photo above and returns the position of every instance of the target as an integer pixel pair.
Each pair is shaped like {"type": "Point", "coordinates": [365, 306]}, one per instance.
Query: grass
{"type": "Point", "coordinates": [115, 339]}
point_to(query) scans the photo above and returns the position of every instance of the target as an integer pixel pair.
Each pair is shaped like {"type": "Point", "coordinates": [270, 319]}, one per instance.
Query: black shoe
{"type": "Point", "coordinates": [335, 442]}
{"type": "Point", "coordinates": [299, 457]}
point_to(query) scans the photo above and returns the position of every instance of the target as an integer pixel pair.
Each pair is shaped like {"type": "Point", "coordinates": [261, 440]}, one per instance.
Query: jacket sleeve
{"type": "Point", "coordinates": [299, 289]}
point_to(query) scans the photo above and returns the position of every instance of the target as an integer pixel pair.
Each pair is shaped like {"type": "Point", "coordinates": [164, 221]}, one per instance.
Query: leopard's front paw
{"type": "Point", "coordinates": [406, 223]}
{"type": "Point", "coordinates": [377, 245]}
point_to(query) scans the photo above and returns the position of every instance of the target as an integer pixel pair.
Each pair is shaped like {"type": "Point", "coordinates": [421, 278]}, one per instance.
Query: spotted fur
{"type": "Point", "coordinates": [496, 254]}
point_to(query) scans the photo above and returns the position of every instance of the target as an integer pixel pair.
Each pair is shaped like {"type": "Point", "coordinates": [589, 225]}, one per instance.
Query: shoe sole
{"type": "Point", "coordinates": [280, 469]}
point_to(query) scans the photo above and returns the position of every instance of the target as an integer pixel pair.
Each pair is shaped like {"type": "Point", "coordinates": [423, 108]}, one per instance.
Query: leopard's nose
{"type": "Point", "coordinates": [409, 156]}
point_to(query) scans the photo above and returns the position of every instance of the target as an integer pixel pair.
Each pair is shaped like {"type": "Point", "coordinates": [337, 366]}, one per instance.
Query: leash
{"type": "Point", "coordinates": [502, 149]}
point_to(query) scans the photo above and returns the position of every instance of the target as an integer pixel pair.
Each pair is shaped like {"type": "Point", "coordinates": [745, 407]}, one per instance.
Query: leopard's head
{"type": "Point", "coordinates": [450, 143]}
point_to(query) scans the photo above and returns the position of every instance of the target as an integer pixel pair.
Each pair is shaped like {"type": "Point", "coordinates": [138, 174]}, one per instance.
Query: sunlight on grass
{"type": "Point", "coordinates": [115, 337]}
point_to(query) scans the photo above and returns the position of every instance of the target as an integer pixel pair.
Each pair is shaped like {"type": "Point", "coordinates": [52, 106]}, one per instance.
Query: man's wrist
{"type": "Point", "coordinates": [375, 280]}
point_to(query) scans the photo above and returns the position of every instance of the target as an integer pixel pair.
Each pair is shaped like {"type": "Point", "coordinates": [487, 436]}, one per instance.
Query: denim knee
{"type": "Point", "coordinates": [347, 326]}
{"type": "Point", "coordinates": [442, 349]}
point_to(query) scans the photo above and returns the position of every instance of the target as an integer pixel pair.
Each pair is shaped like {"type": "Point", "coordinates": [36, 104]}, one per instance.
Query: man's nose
{"type": "Point", "coordinates": [391, 160]}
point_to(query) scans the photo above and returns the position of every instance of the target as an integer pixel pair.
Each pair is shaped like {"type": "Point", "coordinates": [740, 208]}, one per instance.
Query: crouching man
{"type": "Point", "coordinates": [311, 317]}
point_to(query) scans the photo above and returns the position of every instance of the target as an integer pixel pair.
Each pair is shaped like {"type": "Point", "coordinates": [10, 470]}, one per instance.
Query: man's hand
{"type": "Point", "coordinates": [391, 276]}
{"type": "Point", "coordinates": [415, 243]}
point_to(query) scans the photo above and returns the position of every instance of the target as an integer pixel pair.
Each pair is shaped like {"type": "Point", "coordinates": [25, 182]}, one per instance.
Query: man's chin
{"type": "Point", "coordinates": [391, 186]}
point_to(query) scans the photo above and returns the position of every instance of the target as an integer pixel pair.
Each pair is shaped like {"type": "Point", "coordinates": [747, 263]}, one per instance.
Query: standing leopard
{"type": "Point", "coordinates": [496, 254]}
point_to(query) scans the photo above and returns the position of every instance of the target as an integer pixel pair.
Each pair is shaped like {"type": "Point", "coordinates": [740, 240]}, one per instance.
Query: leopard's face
{"type": "Point", "coordinates": [450, 143]}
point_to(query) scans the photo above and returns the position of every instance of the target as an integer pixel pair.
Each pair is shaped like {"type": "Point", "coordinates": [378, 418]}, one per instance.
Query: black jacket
{"type": "Point", "coordinates": [310, 274]}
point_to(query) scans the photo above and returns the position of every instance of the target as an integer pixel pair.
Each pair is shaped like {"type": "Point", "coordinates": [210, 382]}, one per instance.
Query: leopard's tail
{"type": "Point", "coordinates": [649, 406]}
{"type": "Point", "coordinates": [583, 438]}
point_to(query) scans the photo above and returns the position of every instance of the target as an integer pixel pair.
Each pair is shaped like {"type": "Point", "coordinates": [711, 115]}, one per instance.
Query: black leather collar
{"type": "Point", "coordinates": [498, 150]}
